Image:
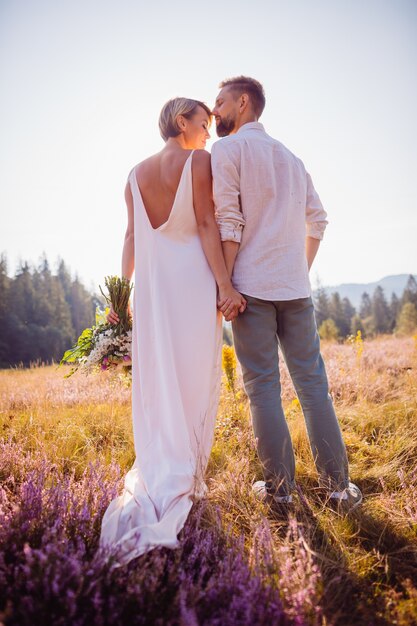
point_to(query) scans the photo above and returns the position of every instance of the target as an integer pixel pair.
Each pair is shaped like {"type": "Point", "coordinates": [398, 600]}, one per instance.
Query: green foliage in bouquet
{"type": "Point", "coordinates": [82, 348]}
{"type": "Point", "coordinates": [119, 290]}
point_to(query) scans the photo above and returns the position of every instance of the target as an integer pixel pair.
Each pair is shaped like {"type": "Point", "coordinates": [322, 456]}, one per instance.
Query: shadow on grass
{"type": "Point", "coordinates": [400, 555]}
{"type": "Point", "coordinates": [348, 598]}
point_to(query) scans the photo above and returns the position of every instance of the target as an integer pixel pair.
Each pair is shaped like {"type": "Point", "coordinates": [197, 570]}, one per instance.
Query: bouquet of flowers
{"type": "Point", "coordinates": [105, 346]}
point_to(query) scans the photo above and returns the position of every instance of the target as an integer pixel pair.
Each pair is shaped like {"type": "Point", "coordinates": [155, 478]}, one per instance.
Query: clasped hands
{"type": "Point", "coordinates": [230, 302]}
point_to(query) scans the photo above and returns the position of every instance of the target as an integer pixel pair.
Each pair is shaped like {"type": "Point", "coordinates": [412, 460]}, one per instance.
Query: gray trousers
{"type": "Point", "coordinates": [257, 333]}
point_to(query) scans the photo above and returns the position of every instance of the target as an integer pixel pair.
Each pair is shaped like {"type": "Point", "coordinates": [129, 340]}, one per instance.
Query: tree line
{"type": "Point", "coordinates": [41, 313]}
{"type": "Point", "coordinates": [337, 318]}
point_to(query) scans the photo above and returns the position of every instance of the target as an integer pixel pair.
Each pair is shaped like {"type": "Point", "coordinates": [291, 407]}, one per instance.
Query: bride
{"type": "Point", "coordinates": [173, 245]}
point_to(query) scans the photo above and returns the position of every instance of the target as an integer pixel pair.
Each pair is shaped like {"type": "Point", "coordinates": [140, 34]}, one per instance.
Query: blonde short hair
{"type": "Point", "coordinates": [186, 107]}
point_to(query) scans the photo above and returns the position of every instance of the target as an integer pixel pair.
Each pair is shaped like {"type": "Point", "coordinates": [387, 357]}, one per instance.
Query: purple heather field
{"type": "Point", "coordinates": [67, 443]}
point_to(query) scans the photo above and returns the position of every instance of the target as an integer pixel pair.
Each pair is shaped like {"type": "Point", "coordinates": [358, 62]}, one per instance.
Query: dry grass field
{"type": "Point", "coordinates": [66, 443]}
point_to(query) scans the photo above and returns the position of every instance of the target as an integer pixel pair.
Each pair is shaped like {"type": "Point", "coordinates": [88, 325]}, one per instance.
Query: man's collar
{"type": "Point", "coordinates": [251, 126]}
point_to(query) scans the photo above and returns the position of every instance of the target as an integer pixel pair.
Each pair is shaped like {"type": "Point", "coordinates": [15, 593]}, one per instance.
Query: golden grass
{"type": "Point", "coordinates": [368, 561]}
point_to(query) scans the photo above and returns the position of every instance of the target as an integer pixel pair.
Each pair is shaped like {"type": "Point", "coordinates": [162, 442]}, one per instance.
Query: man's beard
{"type": "Point", "coordinates": [225, 126]}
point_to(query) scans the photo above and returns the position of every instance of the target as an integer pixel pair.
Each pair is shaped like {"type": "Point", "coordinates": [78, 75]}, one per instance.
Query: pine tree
{"type": "Point", "coordinates": [394, 309]}
{"type": "Point", "coordinates": [4, 308]}
{"type": "Point", "coordinates": [22, 309]}
{"type": "Point", "coordinates": [349, 311]}
{"type": "Point", "coordinates": [53, 329]}
{"type": "Point", "coordinates": [380, 311]}
{"type": "Point", "coordinates": [64, 278]}
{"type": "Point", "coordinates": [328, 330]}
{"type": "Point", "coordinates": [321, 306]}
{"type": "Point", "coordinates": [42, 281]}
{"type": "Point", "coordinates": [407, 319]}
{"type": "Point", "coordinates": [410, 291]}
{"type": "Point", "coordinates": [337, 314]}
{"type": "Point", "coordinates": [365, 313]}
{"type": "Point", "coordinates": [4, 288]}
{"type": "Point", "coordinates": [82, 307]}
{"type": "Point", "coordinates": [365, 308]}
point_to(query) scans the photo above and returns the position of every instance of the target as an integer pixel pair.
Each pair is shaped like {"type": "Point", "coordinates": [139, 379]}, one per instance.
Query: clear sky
{"type": "Point", "coordinates": [82, 83]}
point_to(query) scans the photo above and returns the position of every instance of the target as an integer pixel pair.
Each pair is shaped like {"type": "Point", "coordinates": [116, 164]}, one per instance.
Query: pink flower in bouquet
{"type": "Point", "coordinates": [126, 358]}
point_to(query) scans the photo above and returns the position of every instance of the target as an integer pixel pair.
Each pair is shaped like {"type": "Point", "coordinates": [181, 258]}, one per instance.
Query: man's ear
{"type": "Point", "coordinates": [244, 100]}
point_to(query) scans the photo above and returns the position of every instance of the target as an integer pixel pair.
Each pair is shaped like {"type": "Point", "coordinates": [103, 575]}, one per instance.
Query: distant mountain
{"type": "Point", "coordinates": [354, 291]}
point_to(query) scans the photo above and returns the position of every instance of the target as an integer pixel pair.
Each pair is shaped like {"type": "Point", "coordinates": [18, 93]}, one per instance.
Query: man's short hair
{"type": "Point", "coordinates": [254, 89]}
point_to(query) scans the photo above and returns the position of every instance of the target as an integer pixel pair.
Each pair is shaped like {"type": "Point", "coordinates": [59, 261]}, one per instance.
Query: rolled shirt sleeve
{"type": "Point", "coordinates": [226, 193]}
{"type": "Point", "coordinates": [316, 221]}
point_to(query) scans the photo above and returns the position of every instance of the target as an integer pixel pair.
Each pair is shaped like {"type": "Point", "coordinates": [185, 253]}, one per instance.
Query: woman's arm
{"type": "Point", "coordinates": [231, 301]}
{"type": "Point", "coordinates": [128, 253]}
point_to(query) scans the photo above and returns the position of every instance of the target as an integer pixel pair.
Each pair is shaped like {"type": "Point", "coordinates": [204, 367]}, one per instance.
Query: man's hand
{"type": "Point", "coordinates": [230, 302]}
{"type": "Point", "coordinates": [229, 311]}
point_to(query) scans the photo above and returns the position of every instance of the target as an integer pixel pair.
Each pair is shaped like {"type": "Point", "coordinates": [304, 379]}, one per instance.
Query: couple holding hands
{"type": "Point", "coordinates": [235, 231]}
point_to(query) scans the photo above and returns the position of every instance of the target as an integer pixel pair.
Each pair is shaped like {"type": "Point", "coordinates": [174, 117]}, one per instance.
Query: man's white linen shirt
{"type": "Point", "coordinates": [265, 200]}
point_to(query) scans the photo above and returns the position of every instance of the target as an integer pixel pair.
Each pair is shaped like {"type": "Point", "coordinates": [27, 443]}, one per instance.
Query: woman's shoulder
{"type": "Point", "coordinates": [201, 156]}
{"type": "Point", "coordinates": [201, 164]}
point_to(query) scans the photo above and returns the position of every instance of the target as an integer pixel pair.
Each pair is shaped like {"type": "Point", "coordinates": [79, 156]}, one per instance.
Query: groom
{"type": "Point", "coordinates": [271, 222]}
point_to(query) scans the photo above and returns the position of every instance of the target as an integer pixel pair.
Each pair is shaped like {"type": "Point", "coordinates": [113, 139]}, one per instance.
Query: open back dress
{"type": "Point", "coordinates": [176, 371]}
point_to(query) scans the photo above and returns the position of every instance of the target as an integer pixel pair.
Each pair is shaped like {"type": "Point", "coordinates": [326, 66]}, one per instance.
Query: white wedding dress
{"type": "Point", "coordinates": [176, 371]}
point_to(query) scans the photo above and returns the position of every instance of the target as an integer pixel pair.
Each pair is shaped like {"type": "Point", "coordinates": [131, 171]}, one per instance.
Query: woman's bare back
{"type": "Point", "coordinates": [158, 178]}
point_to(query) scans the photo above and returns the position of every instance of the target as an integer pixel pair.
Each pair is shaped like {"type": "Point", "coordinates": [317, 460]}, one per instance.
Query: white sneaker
{"type": "Point", "coordinates": [259, 488]}
{"type": "Point", "coordinates": [348, 499]}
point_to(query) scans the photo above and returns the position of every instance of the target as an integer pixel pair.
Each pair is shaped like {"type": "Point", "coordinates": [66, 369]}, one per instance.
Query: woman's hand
{"type": "Point", "coordinates": [112, 317]}
{"type": "Point", "coordinates": [230, 302]}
